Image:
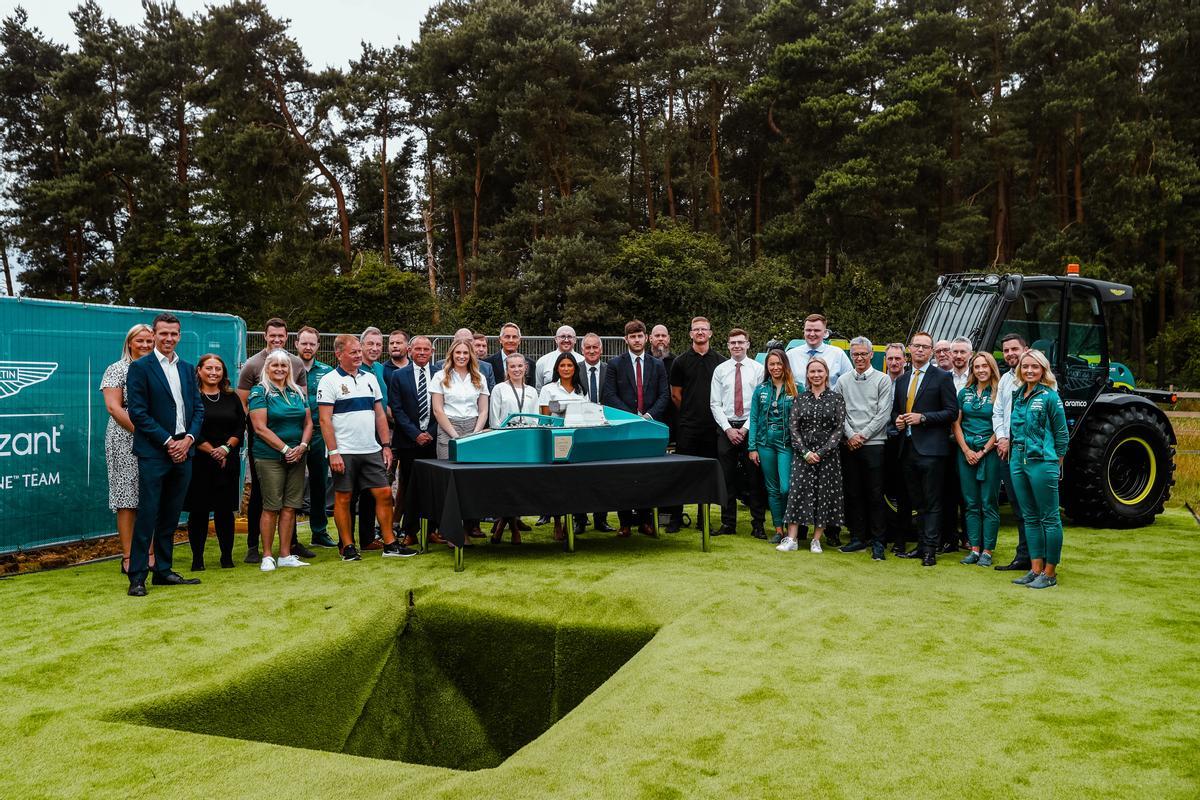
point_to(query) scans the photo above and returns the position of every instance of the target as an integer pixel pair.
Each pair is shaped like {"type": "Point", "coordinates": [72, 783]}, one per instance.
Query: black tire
{"type": "Point", "coordinates": [1120, 468]}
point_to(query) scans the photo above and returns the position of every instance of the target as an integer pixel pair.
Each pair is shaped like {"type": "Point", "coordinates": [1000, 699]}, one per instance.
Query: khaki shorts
{"type": "Point", "coordinates": [363, 471]}
{"type": "Point", "coordinates": [282, 484]}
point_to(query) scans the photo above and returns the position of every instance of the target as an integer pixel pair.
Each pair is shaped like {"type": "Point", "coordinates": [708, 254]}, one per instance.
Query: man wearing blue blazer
{"type": "Point", "coordinates": [415, 434]}
{"type": "Point", "coordinates": [636, 382]}
{"type": "Point", "coordinates": [924, 405]}
{"type": "Point", "coordinates": [165, 408]}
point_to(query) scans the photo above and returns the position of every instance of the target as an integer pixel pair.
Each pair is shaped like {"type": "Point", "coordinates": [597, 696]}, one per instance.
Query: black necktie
{"type": "Point", "coordinates": [422, 398]}
{"type": "Point", "coordinates": [592, 384]}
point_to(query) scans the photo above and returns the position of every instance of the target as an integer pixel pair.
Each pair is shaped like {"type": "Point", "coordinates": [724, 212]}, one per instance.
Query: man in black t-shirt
{"type": "Point", "coordinates": [691, 385]}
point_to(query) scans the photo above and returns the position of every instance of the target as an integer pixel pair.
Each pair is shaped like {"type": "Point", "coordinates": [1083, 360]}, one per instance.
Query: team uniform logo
{"type": "Point", "coordinates": [17, 375]}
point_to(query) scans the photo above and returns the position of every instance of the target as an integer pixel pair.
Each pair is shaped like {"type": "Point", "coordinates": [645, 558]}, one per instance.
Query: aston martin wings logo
{"type": "Point", "coordinates": [16, 375]}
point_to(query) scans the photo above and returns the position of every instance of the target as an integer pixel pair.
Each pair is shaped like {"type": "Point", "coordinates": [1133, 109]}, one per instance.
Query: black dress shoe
{"type": "Point", "coordinates": [302, 551]}
{"type": "Point", "coordinates": [226, 562]}
{"type": "Point", "coordinates": [854, 546]}
{"type": "Point", "coordinates": [604, 527]}
{"type": "Point", "coordinates": [542, 520]}
{"type": "Point", "coordinates": [522, 526]}
{"type": "Point", "coordinates": [322, 540]}
{"type": "Point", "coordinates": [173, 579]}
{"type": "Point", "coordinates": [724, 530]}
{"type": "Point", "coordinates": [929, 560]}
{"type": "Point", "coordinates": [916, 552]}
{"type": "Point", "coordinates": [758, 533]}
{"type": "Point", "coordinates": [1016, 565]}
{"type": "Point", "coordinates": [949, 547]}
{"type": "Point", "coordinates": [137, 590]}
{"type": "Point", "coordinates": [897, 549]}
{"type": "Point", "coordinates": [197, 566]}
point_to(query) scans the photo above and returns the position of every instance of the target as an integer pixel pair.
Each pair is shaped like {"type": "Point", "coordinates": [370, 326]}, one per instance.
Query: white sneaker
{"type": "Point", "coordinates": [788, 545]}
{"type": "Point", "coordinates": [815, 546]}
{"type": "Point", "coordinates": [268, 564]}
{"type": "Point", "coordinates": [292, 561]}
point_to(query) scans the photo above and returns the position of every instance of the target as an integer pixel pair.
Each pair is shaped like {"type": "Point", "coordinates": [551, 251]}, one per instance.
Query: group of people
{"type": "Point", "coordinates": [813, 434]}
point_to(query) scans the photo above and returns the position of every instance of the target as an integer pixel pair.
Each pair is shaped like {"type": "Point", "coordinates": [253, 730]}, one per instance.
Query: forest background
{"type": "Point", "coordinates": [554, 161]}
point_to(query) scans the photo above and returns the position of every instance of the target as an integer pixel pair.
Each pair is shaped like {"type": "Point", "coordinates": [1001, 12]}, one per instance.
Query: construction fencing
{"type": "Point", "coordinates": [533, 346]}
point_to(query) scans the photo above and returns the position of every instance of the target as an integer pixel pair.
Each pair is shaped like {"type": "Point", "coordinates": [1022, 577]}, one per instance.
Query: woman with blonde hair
{"type": "Point", "coordinates": [459, 396]}
{"type": "Point", "coordinates": [978, 462]}
{"type": "Point", "coordinates": [282, 430]}
{"type": "Point", "coordinates": [1039, 438]}
{"type": "Point", "coordinates": [118, 438]}
{"type": "Point", "coordinates": [816, 426]}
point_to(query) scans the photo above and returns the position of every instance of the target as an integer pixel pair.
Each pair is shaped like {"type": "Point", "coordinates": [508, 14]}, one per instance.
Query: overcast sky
{"type": "Point", "coordinates": [329, 31]}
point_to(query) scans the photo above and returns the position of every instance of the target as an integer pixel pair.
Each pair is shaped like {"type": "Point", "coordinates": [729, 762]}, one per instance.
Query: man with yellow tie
{"type": "Point", "coordinates": [924, 405]}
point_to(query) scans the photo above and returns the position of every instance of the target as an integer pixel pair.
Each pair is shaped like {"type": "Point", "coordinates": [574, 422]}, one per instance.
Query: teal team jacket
{"type": "Point", "coordinates": [1039, 423]}
{"type": "Point", "coordinates": [760, 407]}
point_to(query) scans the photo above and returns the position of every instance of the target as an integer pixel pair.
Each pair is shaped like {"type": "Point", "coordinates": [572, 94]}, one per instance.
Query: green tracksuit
{"type": "Point", "coordinates": [769, 437]}
{"type": "Point", "coordinates": [1039, 439]}
{"type": "Point", "coordinates": [980, 483]}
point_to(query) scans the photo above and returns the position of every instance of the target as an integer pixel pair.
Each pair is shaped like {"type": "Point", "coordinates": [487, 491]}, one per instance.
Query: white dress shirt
{"type": "Point", "coordinates": [507, 399]}
{"type": "Point", "coordinates": [721, 394]}
{"type": "Point", "coordinates": [460, 400]}
{"type": "Point", "coordinates": [585, 377]}
{"type": "Point", "coordinates": [555, 391]}
{"type": "Point", "coordinates": [545, 366]}
{"type": "Point", "coordinates": [170, 368]}
{"type": "Point", "coordinates": [423, 422]}
{"type": "Point", "coordinates": [1002, 404]}
{"type": "Point", "coordinates": [960, 380]}
{"type": "Point", "coordinates": [835, 357]}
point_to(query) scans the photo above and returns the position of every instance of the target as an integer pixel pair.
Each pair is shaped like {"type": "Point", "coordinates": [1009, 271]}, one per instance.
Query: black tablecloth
{"type": "Point", "coordinates": [446, 493]}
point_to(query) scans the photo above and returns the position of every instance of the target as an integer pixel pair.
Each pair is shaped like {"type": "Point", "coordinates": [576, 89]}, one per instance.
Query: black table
{"type": "Point", "coordinates": [447, 493]}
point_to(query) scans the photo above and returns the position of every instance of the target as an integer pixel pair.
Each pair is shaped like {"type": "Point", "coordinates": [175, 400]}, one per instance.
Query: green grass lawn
{"type": "Point", "coordinates": [767, 675]}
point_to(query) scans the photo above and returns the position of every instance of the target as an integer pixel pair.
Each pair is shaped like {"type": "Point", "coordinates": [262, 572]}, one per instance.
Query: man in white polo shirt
{"type": "Point", "coordinates": [564, 337]}
{"type": "Point", "coordinates": [353, 424]}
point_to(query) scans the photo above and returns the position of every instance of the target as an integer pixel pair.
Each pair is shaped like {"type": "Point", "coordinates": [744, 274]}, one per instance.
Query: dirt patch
{"type": "Point", "coordinates": [72, 553]}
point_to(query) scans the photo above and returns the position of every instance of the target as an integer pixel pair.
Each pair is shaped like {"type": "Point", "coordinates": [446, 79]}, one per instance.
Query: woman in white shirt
{"type": "Point", "coordinates": [512, 396]}
{"type": "Point", "coordinates": [458, 396]}
{"type": "Point", "coordinates": [567, 388]}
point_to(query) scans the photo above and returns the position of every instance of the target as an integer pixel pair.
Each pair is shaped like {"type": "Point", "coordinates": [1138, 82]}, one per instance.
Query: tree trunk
{"type": "Point", "coordinates": [956, 258]}
{"type": "Point", "coordinates": [298, 135]}
{"type": "Point", "coordinates": [644, 156]}
{"type": "Point", "coordinates": [1060, 180]}
{"type": "Point", "coordinates": [182, 157]}
{"type": "Point", "coordinates": [459, 258]}
{"type": "Point", "coordinates": [476, 201]}
{"type": "Point", "coordinates": [1182, 306]}
{"type": "Point", "coordinates": [758, 189]}
{"type": "Point", "coordinates": [8, 281]}
{"type": "Point", "coordinates": [1160, 280]}
{"type": "Point", "coordinates": [1078, 167]}
{"type": "Point", "coordinates": [714, 157]}
{"type": "Point", "coordinates": [427, 216]}
{"type": "Point", "coordinates": [667, 138]}
{"type": "Point", "coordinates": [383, 168]}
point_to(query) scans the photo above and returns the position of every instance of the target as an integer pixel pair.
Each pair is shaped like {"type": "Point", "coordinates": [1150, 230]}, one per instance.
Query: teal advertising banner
{"type": "Point", "coordinates": [53, 472]}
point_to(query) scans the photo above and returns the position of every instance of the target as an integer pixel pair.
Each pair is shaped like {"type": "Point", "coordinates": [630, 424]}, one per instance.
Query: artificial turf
{"type": "Point", "coordinates": [738, 673]}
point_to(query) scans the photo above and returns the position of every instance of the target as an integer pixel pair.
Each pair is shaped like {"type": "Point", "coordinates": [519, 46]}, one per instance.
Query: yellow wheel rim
{"type": "Point", "coordinates": [1125, 462]}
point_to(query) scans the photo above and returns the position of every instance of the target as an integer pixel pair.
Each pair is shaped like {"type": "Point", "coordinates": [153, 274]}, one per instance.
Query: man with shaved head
{"type": "Point", "coordinates": [564, 337]}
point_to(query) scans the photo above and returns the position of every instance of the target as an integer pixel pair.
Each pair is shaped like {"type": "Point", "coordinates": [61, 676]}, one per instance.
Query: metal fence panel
{"type": "Point", "coordinates": [533, 346]}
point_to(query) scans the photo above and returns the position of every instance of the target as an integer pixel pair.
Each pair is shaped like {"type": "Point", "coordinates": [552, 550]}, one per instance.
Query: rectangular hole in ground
{"type": "Point", "coordinates": [455, 688]}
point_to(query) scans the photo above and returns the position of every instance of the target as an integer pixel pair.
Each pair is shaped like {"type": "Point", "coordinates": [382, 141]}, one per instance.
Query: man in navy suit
{"type": "Point", "coordinates": [165, 408]}
{"type": "Point", "coordinates": [415, 434]}
{"type": "Point", "coordinates": [924, 405]}
{"type": "Point", "coordinates": [636, 382]}
{"type": "Point", "coordinates": [510, 343]}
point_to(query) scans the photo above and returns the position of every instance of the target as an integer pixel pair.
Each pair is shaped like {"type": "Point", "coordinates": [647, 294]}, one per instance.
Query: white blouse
{"type": "Point", "coordinates": [460, 399]}
{"type": "Point", "coordinates": [555, 391]}
{"type": "Point", "coordinates": [507, 399]}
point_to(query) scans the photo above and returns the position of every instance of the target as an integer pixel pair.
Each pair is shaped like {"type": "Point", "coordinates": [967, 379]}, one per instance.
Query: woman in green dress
{"type": "Point", "coordinates": [978, 465]}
